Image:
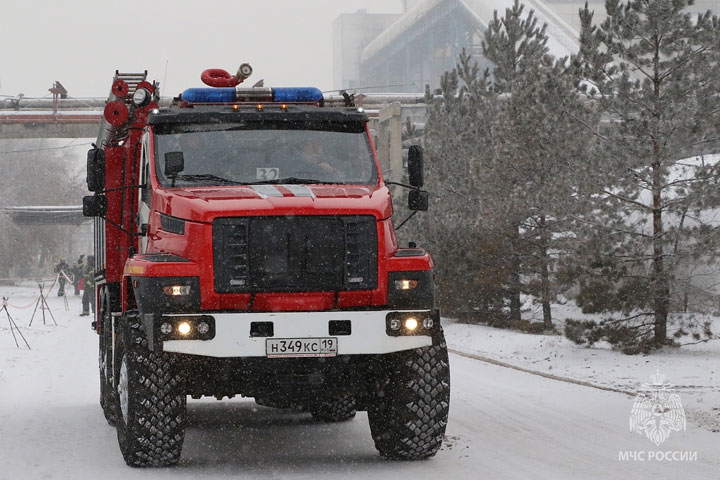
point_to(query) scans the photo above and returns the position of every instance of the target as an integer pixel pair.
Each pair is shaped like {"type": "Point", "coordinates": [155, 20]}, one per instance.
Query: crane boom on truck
{"type": "Point", "coordinates": [244, 246]}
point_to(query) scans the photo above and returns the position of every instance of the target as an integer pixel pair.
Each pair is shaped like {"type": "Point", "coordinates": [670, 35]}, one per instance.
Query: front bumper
{"type": "Point", "coordinates": [233, 338]}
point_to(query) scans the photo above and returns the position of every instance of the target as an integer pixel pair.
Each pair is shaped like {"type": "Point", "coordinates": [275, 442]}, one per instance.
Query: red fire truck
{"type": "Point", "coordinates": [244, 246]}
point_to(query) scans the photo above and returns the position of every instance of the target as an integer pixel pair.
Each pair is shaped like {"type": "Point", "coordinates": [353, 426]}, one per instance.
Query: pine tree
{"type": "Point", "coordinates": [509, 155]}
{"type": "Point", "coordinates": [539, 143]}
{"type": "Point", "coordinates": [468, 260]}
{"type": "Point", "coordinates": [653, 69]}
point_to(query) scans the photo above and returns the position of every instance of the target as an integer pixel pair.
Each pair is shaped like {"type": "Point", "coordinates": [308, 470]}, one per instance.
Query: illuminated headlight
{"type": "Point", "coordinates": [184, 328]}
{"type": "Point", "coordinates": [190, 327]}
{"type": "Point", "coordinates": [411, 324]}
{"type": "Point", "coordinates": [400, 323]}
{"type": "Point", "coordinates": [405, 284]}
{"type": "Point", "coordinates": [176, 290]}
{"type": "Point", "coordinates": [141, 97]}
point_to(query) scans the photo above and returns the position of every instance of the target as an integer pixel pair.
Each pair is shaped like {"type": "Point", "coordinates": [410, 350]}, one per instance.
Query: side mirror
{"type": "Point", "coordinates": [418, 200]}
{"type": "Point", "coordinates": [416, 170]}
{"type": "Point", "coordinates": [96, 170]}
{"type": "Point", "coordinates": [95, 206]}
{"type": "Point", "coordinates": [174, 164]}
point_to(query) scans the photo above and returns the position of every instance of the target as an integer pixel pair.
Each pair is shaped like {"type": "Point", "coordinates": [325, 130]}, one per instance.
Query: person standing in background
{"type": "Point", "coordinates": [60, 269]}
{"type": "Point", "coordinates": [88, 298]}
{"type": "Point", "coordinates": [78, 270]}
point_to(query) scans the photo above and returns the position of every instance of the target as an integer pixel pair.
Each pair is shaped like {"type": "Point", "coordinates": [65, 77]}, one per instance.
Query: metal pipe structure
{"type": "Point", "coordinates": [364, 99]}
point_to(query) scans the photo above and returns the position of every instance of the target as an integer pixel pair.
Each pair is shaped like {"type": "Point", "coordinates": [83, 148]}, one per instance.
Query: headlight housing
{"type": "Point", "coordinates": [411, 290]}
{"type": "Point", "coordinates": [408, 323]}
{"type": "Point", "coordinates": [185, 327]}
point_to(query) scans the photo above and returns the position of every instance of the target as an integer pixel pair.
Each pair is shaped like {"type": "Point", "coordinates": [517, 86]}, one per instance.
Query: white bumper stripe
{"type": "Point", "coordinates": [232, 334]}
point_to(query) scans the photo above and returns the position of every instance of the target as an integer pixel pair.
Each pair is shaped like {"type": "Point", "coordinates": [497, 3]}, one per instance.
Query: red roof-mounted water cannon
{"type": "Point", "coordinates": [217, 77]}
{"type": "Point", "coordinates": [225, 90]}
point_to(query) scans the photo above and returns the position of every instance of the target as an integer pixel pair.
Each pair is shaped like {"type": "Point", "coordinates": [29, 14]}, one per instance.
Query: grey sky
{"type": "Point", "coordinates": [82, 42]}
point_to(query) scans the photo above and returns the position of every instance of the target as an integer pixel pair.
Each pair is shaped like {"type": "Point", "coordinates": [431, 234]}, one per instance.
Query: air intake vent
{"type": "Point", "coordinates": [360, 251]}
{"type": "Point", "coordinates": [305, 253]}
{"type": "Point", "coordinates": [230, 249]}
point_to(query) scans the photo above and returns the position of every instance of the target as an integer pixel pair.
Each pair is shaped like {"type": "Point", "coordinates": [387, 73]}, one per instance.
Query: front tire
{"type": "Point", "coordinates": [150, 401]}
{"type": "Point", "coordinates": [410, 412]}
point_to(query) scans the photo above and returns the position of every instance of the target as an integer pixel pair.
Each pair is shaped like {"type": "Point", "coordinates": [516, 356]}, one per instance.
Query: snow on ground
{"type": "Point", "coordinates": [504, 424]}
{"type": "Point", "coordinates": [693, 370]}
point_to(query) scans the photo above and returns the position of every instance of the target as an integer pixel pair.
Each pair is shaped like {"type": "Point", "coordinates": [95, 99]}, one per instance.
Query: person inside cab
{"type": "Point", "coordinates": [315, 160]}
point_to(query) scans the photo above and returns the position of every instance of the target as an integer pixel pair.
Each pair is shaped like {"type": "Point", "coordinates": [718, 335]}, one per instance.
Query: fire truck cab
{"type": "Point", "coordinates": [245, 246]}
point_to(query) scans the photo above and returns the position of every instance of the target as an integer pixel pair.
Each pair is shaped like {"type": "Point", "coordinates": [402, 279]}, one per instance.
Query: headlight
{"type": "Point", "coordinates": [184, 328]}
{"type": "Point", "coordinates": [409, 323]}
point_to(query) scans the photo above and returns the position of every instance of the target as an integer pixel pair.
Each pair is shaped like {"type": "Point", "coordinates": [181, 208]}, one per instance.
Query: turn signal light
{"type": "Point", "coordinates": [405, 284]}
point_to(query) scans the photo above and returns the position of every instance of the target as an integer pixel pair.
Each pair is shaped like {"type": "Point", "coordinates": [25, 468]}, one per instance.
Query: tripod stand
{"type": "Point", "coordinates": [42, 303]}
{"type": "Point", "coordinates": [13, 325]}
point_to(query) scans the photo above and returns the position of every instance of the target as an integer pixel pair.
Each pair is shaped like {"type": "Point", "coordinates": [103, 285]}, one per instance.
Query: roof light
{"type": "Point", "coordinates": [256, 94]}
{"type": "Point", "coordinates": [209, 95]}
{"type": "Point", "coordinates": [297, 94]}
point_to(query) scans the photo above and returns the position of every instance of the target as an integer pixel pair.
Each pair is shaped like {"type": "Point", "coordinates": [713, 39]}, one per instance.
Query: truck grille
{"type": "Point", "coordinates": [303, 253]}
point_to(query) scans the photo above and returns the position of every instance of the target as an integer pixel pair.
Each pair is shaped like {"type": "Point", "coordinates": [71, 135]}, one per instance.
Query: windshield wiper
{"type": "Point", "coordinates": [209, 177]}
{"type": "Point", "coordinates": [290, 181]}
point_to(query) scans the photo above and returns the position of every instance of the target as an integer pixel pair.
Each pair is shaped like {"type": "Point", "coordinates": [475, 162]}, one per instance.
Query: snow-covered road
{"type": "Point", "coordinates": [504, 424]}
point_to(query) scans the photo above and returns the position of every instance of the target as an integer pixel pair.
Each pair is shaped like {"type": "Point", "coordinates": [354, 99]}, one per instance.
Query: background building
{"type": "Point", "coordinates": [414, 49]}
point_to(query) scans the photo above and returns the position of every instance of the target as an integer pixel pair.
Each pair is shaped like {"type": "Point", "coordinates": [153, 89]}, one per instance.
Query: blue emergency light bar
{"type": "Point", "coordinates": [263, 94]}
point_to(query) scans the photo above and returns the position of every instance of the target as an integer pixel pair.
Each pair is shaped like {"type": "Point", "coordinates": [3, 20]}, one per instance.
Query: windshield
{"type": "Point", "coordinates": [238, 155]}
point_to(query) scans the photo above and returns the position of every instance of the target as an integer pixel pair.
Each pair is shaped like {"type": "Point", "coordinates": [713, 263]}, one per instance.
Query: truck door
{"type": "Point", "coordinates": [144, 193]}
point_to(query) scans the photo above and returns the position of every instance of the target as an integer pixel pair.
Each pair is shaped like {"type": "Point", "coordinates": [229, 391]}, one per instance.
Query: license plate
{"type": "Point", "coordinates": [301, 347]}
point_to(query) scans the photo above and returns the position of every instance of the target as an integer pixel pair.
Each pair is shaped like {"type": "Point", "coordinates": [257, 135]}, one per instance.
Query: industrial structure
{"type": "Point", "coordinates": [425, 41]}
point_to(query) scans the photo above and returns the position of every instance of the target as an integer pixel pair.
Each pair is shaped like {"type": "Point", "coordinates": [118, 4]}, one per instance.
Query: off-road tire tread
{"type": "Point", "coordinates": [157, 409]}
{"type": "Point", "coordinates": [107, 398]}
{"type": "Point", "coordinates": [409, 420]}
